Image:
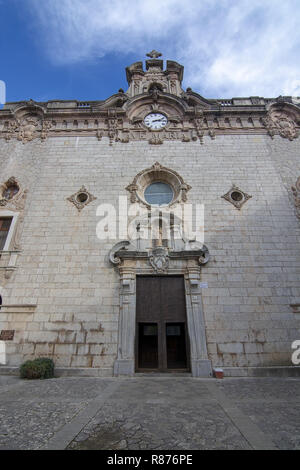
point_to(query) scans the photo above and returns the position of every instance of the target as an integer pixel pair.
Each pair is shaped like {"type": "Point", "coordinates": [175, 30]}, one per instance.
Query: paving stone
{"type": "Point", "coordinates": [279, 420]}
{"type": "Point", "coordinates": [167, 413]}
{"type": "Point", "coordinates": [29, 425]}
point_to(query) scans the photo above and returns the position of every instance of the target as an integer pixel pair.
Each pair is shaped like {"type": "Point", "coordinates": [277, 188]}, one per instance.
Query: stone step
{"type": "Point", "coordinates": [163, 374]}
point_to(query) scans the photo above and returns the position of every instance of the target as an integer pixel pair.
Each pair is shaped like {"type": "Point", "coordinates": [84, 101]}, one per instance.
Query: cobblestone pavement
{"type": "Point", "coordinates": [150, 413]}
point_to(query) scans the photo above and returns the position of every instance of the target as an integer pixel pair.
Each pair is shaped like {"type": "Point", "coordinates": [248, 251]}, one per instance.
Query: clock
{"type": "Point", "coordinates": [155, 121]}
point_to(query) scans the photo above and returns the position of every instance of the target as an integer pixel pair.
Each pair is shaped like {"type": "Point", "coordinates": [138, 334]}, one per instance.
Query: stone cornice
{"type": "Point", "coordinates": [186, 123]}
{"type": "Point", "coordinates": [120, 117]}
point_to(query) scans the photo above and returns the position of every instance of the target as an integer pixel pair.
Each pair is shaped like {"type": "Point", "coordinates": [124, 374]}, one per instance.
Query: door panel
{"type": "Point", "coordinates": [176, 347]}
{"type": "Point", "coordinates": [172, 299]}
{"type": "Point", "coordinates": [148, 346]}
{"type": "Point", "coordinates": [147, 299]}
{"type": "Point", "coordinates": [161, 339]}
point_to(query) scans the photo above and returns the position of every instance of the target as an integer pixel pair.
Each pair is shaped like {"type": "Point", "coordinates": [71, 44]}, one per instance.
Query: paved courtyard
{"type": "Point", "coordinates": [180, 413]}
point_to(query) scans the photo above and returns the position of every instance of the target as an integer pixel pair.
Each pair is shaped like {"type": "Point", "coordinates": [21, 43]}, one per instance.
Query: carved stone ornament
{"type": "Point", "coordinates": [81, 198]}
{"type": "Point", "coordinates": [11, 129]}
{"type": "Point", "coordinates": [155, 139]}
{"type": "Point", "coordinates": [132, 188]}
{"type": "Point", "coordinates": [27, 129]}
{"type": "Point", "coordinates": [5, 197]}
{"type": "Point", "coordinates": [112, 124]}
{"type": "Point", "coordinates": [199, 127]}
{"type": "Point", "coordinates": [279, 122]}
{"type": "Point", "coordinates": [159, 259]}
{"type": "Point", "coordinates": [236, 196]}
{"type": "Point", "coordinates": [15, 199]}
{"type": "Point", "coordinates": [46, 126]}
{"type": "Point", "coordinates": [194, 245]}
{"type": "Point", "coordinates": [158, 172]}
{"type": "Point", "coordinates": [154, 54]}
{"type": "Point", "coordinates": [118, 246]}
{"type": "Point", "coordinates": [296, 194]}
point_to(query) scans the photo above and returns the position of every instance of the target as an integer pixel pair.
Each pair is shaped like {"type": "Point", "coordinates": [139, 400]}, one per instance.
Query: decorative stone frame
{"type": "Point", "coordinates": [12, 181]}
{"type": "Point", "coordinates": [13, 208]}
{"type": "Point", "coordinates": [8, 184]}
{"type": "Point", "coordinates": [238, 203]}
{"type": "Point", "coordinates": [158, 173]}
{"type": "Point", "coordinates": [132, 264]}
{"type": "Point", "coordinates": [13, 225]}
{"type": "Point", "coordinates": [9, 254]}
{"type": "Point", "coordinates": [80, 204]}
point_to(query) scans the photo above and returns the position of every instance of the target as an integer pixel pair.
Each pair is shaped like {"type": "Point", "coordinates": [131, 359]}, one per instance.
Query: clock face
{"type": "Point", "coordinates": [155, 121]}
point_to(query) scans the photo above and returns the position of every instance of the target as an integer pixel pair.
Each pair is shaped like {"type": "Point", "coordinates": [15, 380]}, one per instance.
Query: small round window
{"type": "Point", "coordinates": [159, 194]}
{"type": "Point", "coordinates": [10, 191]}
{"type": "Point", "coordinates": [82, 197]}
{"type": "Point", "coordinates": [236, 196]}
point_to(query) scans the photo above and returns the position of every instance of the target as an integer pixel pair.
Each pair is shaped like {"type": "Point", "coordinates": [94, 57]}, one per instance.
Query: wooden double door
{"type": "Point", "coordinates": [161, 329]}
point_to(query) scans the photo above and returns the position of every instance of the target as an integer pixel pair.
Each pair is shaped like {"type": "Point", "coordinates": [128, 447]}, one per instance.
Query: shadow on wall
{"type": "Point", "coordinates": [252, 279]}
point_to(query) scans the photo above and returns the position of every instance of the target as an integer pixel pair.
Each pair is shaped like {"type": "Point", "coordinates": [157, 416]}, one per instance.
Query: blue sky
{"type": "Point", "coordinates": [78, 49]}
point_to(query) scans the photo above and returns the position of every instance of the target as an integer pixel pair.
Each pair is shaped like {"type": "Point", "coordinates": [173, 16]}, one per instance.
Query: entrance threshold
{"type": "Point", "coordinates": [163, 374]}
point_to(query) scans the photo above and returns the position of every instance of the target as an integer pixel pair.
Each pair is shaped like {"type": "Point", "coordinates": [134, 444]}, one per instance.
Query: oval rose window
{"type": "Point", "coordinates": [159, 194]}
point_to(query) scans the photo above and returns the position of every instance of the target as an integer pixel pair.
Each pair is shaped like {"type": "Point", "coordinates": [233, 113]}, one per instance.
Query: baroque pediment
{"type": "Point", "coordinates": [193, 99]}
{"type": "Point", "coordinates": [115, 101]}
{"type": "Point", "coordinates": [152, 88]}
{"type": "Point", "coordinates": [158, 257]}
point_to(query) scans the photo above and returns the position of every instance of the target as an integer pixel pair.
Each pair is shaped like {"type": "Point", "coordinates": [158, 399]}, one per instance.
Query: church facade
{"type": "Point", "coordinates": [154, 231]}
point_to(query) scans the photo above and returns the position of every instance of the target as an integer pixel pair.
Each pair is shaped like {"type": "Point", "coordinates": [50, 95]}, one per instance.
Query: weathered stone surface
{"type": "Point", "coordinates": [63, 276]}
{"type": "Point", "coordinates": [179, 413]}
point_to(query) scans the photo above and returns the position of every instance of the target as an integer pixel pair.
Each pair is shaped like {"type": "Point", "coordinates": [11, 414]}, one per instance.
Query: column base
{"type": "Point", "coordinates": [124, 367]}
{"type": "Point", "coordinates": [201, 368]}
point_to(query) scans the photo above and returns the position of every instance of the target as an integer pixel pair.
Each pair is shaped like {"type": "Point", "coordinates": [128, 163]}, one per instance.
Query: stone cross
{"type": "Point", "coordinates": [154, 54]}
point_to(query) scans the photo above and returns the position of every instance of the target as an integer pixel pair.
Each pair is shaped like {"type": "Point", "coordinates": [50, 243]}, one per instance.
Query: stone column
{"type": "Point", "coordinates": [2, 353]}
{"type": "Point", "coordinates": [124, 364]}
{"type": "Point", "coordinates": [200, 364]}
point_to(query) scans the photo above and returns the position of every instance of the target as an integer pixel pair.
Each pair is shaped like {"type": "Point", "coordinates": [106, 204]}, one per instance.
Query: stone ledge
{"type": "Point", "coordinates": [65, 371]}
{"type": "Point", "coordinates": [274, 371]}
{"type": "Point", "coordinates": [83, 372]}
{"type": "Point", "coordinates": [6, 370]}
{"type": "Point", "coordinates": [17, 308]}
{"type": "Point", "coordinates": [279, 371]}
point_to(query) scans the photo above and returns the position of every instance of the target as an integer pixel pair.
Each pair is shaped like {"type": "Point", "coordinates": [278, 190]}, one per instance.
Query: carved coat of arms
{"type": "Point", "coordinates": [282, 123]}
{"type": "Point", "coordinates": [159, 259]}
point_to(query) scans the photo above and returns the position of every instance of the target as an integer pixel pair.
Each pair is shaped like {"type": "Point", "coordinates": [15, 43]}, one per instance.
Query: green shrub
{"type": "Point", "coordinates": [41, 368]}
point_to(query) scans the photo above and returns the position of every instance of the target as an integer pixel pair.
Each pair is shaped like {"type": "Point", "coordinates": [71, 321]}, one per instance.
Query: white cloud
{"type": "Point", "coordinates": [229, 48]}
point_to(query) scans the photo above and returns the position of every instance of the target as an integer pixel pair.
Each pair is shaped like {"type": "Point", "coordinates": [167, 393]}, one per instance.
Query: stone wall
{"type": "Point", "coordinates": [64, 274]}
